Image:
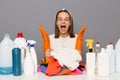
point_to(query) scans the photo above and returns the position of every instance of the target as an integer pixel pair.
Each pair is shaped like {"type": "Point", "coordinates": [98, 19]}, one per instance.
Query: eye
{"type": "Point", "coordinates": [59, 19]}
{"type": "Point", "coordinates": [67, 20]}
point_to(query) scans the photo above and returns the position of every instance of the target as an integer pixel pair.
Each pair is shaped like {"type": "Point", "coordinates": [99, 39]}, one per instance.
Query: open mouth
{"type": "Point", "coordinates": [63, 26]}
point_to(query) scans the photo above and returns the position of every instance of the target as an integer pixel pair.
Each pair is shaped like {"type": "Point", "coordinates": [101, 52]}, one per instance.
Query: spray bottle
{"type": "Point", "coordinates": [90, 58]}
{"type": "Point", "coordinates": [89, 44]}
{"type": "Point", "coordinates": [28, 63]}
{"type": "Point", "coordinates": [31, 44]}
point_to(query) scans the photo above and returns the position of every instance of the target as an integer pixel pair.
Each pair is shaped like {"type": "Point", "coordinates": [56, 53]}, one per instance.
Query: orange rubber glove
{"type": "Point", "coordinates": [46, 41]}
{"type": "Point", "coordinates": [80, 37]}
{"type": "Point", "coordinates": [46, 44]}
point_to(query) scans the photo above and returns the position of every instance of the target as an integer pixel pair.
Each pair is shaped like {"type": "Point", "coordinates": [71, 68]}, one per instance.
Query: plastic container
{"type": "Point", "coordinates": [33, 53]}
{"type": "Point", "coordinates": [90, 63]}
{"type": "Point", "coordinates": [97, 49]}
{"type": "Point", "coordinates": [110, 50]}
{"type": "Point", "coordinates": [28, 63]}
{"type": "Point", "coordinates": [117, 52]}
{"type": "Point", "coordinates": [20, 41]}
{"type": "Point", "coordinates": [6, 47]}
{"type": "Point", "coordinates": [16, 59]}
{"type": "Point", "coordinates": [103, 63]}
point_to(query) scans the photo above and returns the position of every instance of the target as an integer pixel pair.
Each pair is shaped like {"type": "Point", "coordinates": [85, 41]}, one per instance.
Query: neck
{"type": "Point", "coordinates": [64, 35]}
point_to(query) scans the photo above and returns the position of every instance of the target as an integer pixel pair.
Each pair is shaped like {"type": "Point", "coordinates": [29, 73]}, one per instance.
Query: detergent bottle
{"type": "Point", "coordinates": [16, 61]}
{"type": "Point", "coordinates": [103, 63]}
{"type": "Point", "coordinates": [6, 47]}
{"type": "Point", "coordinates": [28, 63]}
{"type": "Point", "coordinates": [110, 50]}
{"type": "Point", "coordinates": [33, 53]}
{"type": "Point", "coordinates": [117, 52]}
{"type": "Point", "coordinates": [90, 58]}
{"type": "Point", "coordinates": [20, 41]}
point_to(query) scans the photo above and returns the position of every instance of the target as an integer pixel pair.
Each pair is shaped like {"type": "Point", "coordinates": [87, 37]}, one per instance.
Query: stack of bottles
{"type": "Point", "coordinates": [17, 57]}
{"type": "Point", "coordinates": [100, 61]}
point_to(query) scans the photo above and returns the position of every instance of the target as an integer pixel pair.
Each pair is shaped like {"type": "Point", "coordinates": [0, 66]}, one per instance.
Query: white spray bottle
{"type": "Point", "coordinates": [90, 58]}
{"type": "Point", "coordinates": [33, 53]}
{"type": "Point", "coordinates": [28, 63]}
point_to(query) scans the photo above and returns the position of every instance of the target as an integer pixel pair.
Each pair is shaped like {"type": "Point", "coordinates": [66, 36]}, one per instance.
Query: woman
{"type": "Point", "coordinates": [64, 36]}
{"type": "Point", "coordinates": [63, 45]}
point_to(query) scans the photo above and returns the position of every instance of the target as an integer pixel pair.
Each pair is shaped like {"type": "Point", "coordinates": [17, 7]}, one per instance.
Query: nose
{"type": "Point", "coordinates": [63, 21]}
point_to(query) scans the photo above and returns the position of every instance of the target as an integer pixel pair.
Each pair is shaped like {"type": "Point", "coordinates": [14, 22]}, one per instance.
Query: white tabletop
{"type": "Point", "coordinates": [41, 76]}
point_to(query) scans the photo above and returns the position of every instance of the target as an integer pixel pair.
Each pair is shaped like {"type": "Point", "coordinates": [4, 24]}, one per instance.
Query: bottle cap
{"type": "Point", "coordinates": [97, 42]}
{"type": "Point", "coordinates": [90, 50]}
{"type": "Point", "coordinates": [6, 36]}
{"type": "Point", "coordinates": [110, 43]}
{"type": "Point", "coordinates": [20, 35]}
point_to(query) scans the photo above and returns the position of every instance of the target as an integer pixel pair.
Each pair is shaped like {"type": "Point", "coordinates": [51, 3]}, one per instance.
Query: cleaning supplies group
{"type": "Point", "coordinates": [18, 56]}
{"type": "Point", "coordinates": [100, 61]}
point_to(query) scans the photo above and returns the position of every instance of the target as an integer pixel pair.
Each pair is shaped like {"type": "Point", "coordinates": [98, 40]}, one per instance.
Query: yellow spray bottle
{"type": "Point", "coordinates": [89, 44]}
{"type": "Point", "coordinates": [90, 58]}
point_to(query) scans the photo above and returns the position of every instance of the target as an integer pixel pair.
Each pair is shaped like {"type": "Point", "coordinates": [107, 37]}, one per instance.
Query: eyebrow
{"type": "Point", "coordinates": [65, 17]}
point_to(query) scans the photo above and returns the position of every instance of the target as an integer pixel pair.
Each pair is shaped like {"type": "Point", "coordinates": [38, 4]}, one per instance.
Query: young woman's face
{"type": "Point", "coordinates": [63, 23]}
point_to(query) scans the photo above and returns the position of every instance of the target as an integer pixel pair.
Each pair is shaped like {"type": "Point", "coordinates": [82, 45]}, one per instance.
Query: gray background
{"type": "Point", "coordinates": [101, 16]}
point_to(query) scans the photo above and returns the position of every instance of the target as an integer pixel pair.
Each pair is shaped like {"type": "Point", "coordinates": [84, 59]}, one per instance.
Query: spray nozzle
{"type": "Point", "coordinates": [89, 43]}
{"type": "Point", "coordinates": [31, 43]}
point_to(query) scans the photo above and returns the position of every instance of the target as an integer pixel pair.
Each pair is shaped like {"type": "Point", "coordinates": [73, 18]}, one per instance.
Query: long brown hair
{"type": "Point", "coordinates": [70, 30]}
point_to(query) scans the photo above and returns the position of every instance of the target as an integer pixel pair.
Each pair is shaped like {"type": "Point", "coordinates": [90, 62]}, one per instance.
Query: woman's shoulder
{"type": "Point", "coordinates": [76, 35]}
{"type": "Point", "coordinates": [51, 35]}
